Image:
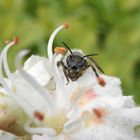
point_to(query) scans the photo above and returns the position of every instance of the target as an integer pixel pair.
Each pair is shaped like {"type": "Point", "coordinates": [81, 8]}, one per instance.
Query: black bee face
{"type": "Point", "coordinates": [76, 62]}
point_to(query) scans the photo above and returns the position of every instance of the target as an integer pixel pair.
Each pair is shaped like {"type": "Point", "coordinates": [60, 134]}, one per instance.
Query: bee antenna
{"type": "Point", "coordinates": [89, 55]}
{"type": "Point", "coordinates": [67, 47]}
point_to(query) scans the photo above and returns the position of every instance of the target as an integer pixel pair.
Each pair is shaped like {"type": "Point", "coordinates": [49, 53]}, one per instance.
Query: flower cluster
{"type": "Point", "coordinates": [89, 108]}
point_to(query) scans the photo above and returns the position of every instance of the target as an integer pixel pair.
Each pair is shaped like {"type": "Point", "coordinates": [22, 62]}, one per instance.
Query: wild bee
{"type": "Point", "coordinates": [76, 64]}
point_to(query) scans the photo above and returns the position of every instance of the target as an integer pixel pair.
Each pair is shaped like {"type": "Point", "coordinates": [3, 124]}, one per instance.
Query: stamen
{"type": "Point", "coordinates": [49, 99]}
{"type": "Point", "coordinates": [39, 130]}
{"type": "Point", "coordinates": [9, 91]}
{"type": "Point", "coordinates": [50, 42]}
{"type": "Point", "coordinates": [23, 94]}
{"type": "Point", "coordinates": [27, 106]}
{"type": "Point", "coordinates": [2, 81]}
{"type": "Point", "coordinates": [4, 57]}
{"type": "Point", "coordinates": [1, 57]}
{"type": "Point", "coordinates": [62, 92]}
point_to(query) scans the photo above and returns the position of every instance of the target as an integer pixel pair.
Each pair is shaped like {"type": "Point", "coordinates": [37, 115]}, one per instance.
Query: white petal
{"type": "Point", "coordinates": [45, 137]}
{"type": "Point", "coordinates": [37, 137]}
{"type": "Point", "coordinates": [112, 87]}
{"type": "Point", "coordinates": [133, 115]}
{"type": "Point", "coordinates": [124, 119]}
{"type": "Point", "coordinates": [108, 133]}
{"type": "Point", "coordinates": [7, 136]}
{"type": "Point", "coordinates": [30, 95]}
{"type": "Point", "coordinates": [38, 68]}
{"type": "Point", "coordinates": [31, 61]}
{"type": "Point", "coordinates": [117, 102]}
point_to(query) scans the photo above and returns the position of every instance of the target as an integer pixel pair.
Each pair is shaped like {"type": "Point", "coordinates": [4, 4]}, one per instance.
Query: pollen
{"type": "Point", "coordinates": [56, 122]}
{"type": "Point", "coordinates": [60, 50]}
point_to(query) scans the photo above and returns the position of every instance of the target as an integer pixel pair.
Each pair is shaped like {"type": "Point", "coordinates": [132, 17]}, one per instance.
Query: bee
{"type": "Point", "coordinates": [76, 64]}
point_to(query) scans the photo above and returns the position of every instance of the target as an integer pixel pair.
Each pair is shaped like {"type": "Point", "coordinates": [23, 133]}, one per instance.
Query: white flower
{"type": "Point", "coordinates": [8, 118]}
{"type": "Point", "coordinates": [6, 136]}
{"type": "Point", "coordinates": [89, 108]}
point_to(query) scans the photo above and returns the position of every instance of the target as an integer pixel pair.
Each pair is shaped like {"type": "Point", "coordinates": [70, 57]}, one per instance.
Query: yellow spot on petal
{"type": "Point", "coordinates": [2, 94]}
{"type": "Point", "coordinates": [87, 118]}
{"type": "Point", "coordinates": [56, 122]}
{"type": "Point", "coordinates": [95, 117]}
{"type": "Point", "coordinates": [14, 89]}
{"type": "Point", "coordinates": [74, 94]}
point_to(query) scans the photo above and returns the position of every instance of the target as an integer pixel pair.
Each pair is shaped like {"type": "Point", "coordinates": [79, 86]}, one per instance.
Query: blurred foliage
{"type": "Point", "coordinates": [108, 27]}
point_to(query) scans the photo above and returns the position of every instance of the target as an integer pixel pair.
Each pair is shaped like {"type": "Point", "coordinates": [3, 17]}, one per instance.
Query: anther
{"type": "Point", "coordinates": [16, 40]}
{"type": "Point", "coordinates": [60, 50]}
{"type": "Point", "coordinates": [101, 81]}
{"type": "Point", "coordinates": [66, 26]}
{"type": "Point", "coordinates": [38, 115]}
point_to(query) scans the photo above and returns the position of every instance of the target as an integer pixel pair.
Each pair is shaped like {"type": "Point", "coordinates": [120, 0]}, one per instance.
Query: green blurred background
{"type": "Point", "coordinates": [108, 27]}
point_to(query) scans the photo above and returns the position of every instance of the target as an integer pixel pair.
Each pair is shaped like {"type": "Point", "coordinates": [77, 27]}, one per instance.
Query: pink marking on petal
{"type": "Point", "coordinates": [87, 97]}
{"type": "Point", "coordinates": [90, 94]}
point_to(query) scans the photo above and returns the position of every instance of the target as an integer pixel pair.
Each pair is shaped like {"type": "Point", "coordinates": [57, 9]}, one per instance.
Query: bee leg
{"type": "Point", "coordinates": [66, 75]}
{"type": "Point", "coordinates": [98, 67]}
{"type": "Point", "coordinates": [94, 70]}
{"type": "Point", "coordinates": [60, 63]}
{"type": "Point", "coordinates": [64, 70]}
{"type": "Point", "coordinates": [95, 63]}
{"type": "Point", "coordinates": [100, 80]}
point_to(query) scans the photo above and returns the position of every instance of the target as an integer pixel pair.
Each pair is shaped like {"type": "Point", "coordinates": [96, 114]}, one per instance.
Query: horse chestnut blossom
{"type": "Point", "coordinates": [89, 108]}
